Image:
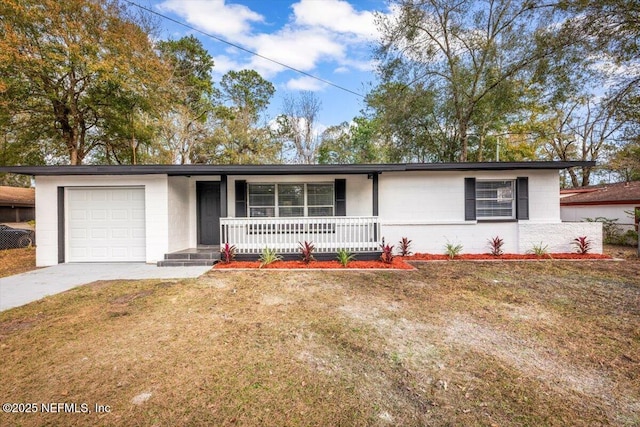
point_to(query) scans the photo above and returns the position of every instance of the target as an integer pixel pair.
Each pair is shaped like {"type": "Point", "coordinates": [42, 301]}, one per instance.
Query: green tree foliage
{"type": "Point", "coordinates": [579, 130]}
{"type": "Point", "coordinates": [614, 25]}
{"type": "Point", "coordinates": [64, 68]}
{"type": "Point", "coordinates": [612, 28]}
{"type": "Point", "coordinates": [186, 124]}
{"type": "Point", "coordinates": [412, 122]}
{"type": "Point", "coordinates": [626, 161]}
{"type": "Point", "coordinates": [460, 71]}
{"type": "Point", "coordinates": [355, 142]}
{"type": "Point", "coordinates": [239, 137]}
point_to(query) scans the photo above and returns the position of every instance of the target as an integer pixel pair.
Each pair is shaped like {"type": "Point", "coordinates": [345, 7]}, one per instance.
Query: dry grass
{"type": "Point", "coordinates": [466, 343]}
{"type": "Point", "coordinates": [623, 252]}
{"type": "Point", "coordinates": [14, 261]}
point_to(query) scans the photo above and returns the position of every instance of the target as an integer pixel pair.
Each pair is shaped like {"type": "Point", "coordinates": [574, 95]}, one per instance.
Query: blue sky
{"type": "Point", "coordinates": [331, 39]}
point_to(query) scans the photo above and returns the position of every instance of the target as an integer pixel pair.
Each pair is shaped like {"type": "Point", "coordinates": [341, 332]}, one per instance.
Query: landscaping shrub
{"type": "Point", "coordinates": [540, 249]}
{"type": "Point", "coordinates": [306, 249]}
{"type": "Point", "coordinates": [387, 253]}
{"type": "Point", "coordinates": [344, 257]}
{"type": "Point", "coordinates": [582, 244]}
{"type": "Point", "coordinates": [404, 246]}
{"type": "Point", "coordinates": [269, 256]}
{"type": "Point", "coordinates": [496, 246]}
{"type": "Point", "coordinates": [452, 250]}
{"type": "Point", "coordinates": [228, 253]}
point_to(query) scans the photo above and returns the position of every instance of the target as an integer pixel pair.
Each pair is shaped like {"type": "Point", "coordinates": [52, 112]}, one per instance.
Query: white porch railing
{"type": "Point", "coordinates": [328, 234]}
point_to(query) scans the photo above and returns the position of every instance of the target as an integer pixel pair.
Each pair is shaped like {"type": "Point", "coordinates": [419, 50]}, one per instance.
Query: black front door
{"type": "Point", "coordinates": [208, 194]}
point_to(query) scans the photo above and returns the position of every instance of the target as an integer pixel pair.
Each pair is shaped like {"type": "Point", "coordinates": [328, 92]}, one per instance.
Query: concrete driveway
{"type": "Point", "coordinates": [31, 286]}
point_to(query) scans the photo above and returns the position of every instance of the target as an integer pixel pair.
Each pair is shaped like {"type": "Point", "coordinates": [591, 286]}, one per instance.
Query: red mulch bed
{"type": "Point", "coordinates": [438, 257]}
{"type": "Point", "coordinates": [397, 264]}
{"type": "Point", "coordinates": [400, 264]}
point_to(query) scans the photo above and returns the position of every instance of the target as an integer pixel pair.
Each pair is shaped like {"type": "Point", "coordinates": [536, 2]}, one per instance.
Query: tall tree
{"type": "Point", "coordinates": [613, 30]}
{"type": "Point", "coordinates": [413, 123]}
{"type": "Point", "coordinates": [296, 125]}
{"type": "Point", "coordinates": [474, 56]}
{"type": "Point", "coordinates": [355, 142]}
{"type": "Point", "coordinates": [185, 125]}
{"type": "Point", "coordinates": [239, 136]}
{"type": "Point", "coordinates": [579, 130]}
{"type": "Point", "coordinates": [60, 63]}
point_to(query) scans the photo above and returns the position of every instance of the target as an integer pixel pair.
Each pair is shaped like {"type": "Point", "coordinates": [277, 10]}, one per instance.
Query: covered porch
{"type": "Point", "coordinates": [355, 234]}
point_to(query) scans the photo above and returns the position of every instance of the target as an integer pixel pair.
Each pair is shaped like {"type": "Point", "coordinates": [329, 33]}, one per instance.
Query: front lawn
{"type": "Point", "coordinates": [464, 343]}
{"type": "Point", "coordinates": [15, 261]}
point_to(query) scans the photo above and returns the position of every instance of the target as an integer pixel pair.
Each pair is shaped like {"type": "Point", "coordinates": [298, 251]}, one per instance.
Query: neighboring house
{"type": "Point", "coordinates": [612, 201]}
{"type": "Point", "coordinates": [17, 204]}
{"type": "Point", "coordinates": [141, 213]}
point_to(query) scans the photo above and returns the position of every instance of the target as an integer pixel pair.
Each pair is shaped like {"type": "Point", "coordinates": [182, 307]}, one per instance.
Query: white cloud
{"type": "Point", "coordinates": [224, 63]}
{"type": "Point", "coordinates": [305, 83]}
{"type": "Point", "coordinates": [301, 49]}
{"type": "Point", "coordinates": [336, 15]}
{"type": "Point", "coordinates": [327, 31]}
{"type": "Point", "coordinates": [214, 16]}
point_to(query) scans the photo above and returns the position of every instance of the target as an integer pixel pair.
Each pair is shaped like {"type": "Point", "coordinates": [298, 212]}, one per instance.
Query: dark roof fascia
{"type": "Point", "coordinates": [496, 166]}
{"type": "Point", "coordinates": [602, 203]}
{"type": "Point", "coordinates": [287, 169]}
{"type": "Point", "coordinates": [9, 204]}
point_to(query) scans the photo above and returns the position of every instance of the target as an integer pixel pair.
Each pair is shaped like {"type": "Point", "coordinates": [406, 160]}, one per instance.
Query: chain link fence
{"type": "Point", "coordinates": [11, 238]}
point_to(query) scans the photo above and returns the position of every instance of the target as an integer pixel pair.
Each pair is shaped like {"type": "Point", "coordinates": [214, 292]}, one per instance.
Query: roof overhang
{"type": "Point", "coordinates": [8, 204]}
{"type": "Point", "coordinates": [602, 203]}
{"type": "Point", "coordinates": [285, 169]}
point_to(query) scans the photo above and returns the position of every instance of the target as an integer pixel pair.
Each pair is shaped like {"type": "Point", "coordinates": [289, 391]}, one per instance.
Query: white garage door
{"type": "Point", "coordinates": [105, 224]}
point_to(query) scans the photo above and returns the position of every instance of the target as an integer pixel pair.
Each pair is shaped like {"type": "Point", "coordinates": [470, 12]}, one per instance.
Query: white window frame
{"type": "Point", "coordinates": [498, 199]}
{"type": "Point", "coordinates": [276, 200]}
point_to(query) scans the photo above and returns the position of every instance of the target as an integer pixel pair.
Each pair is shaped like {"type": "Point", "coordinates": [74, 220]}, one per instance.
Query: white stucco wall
{"type": "Point", "coordinates": [559, 237]}
{"type": "Point", "coordinates": [156, 211]}
{"type": "Point", "coordinates": [432, 238]}
{"type": "Point", "coordinates": [428, 208]}
{"type": "Point", "coordinates": [359, 189]}
{"type": "Point", "coordinates": [178, 207]}
{"type": "Point", "coordinates": [438, 197]}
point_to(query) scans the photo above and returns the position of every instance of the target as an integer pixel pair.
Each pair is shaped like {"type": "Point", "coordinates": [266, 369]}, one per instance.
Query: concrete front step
{"type": "Point", "coordinates": [193, 254]}
{"type": "Point", "coordinates": [186, 262]}
{"type": "Point", "coordinates": [191, 257]}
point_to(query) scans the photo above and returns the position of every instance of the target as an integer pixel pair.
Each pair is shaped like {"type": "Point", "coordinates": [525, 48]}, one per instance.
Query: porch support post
{"type": "Point", "coordinates": [375, 194]}
{"type": "Point", "coordinates": [374, 186]}
{"type": "Point", "coordinates": [223, 196]}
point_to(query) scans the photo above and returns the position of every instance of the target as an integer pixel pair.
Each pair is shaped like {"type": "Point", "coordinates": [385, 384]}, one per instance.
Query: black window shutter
{"type": "Point", "coordinates": [241, 199]}
{"type": "Point", "coordinates": [522, 200]}
{"type": "Point", "coordinates": [469, 199]}
{"type": "Point", "coordinates": [340, 189]}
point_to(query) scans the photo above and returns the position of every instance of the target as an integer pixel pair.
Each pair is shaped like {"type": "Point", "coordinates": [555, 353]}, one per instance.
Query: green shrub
{"type": "Point", "coordinates": [452, 250]}
{"type": "Point", "coordinates": [344, 257]}
{"type": "Point", "coordinates": [611, 232]}
{"type": "Point", "coordinates": [269, 256]}
{"type": "Point", "coordinates": [540, 249]}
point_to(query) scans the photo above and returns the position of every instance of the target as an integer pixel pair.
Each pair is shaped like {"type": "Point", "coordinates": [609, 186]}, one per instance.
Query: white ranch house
{"type": "Point", "coordinates": [144, 213]}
